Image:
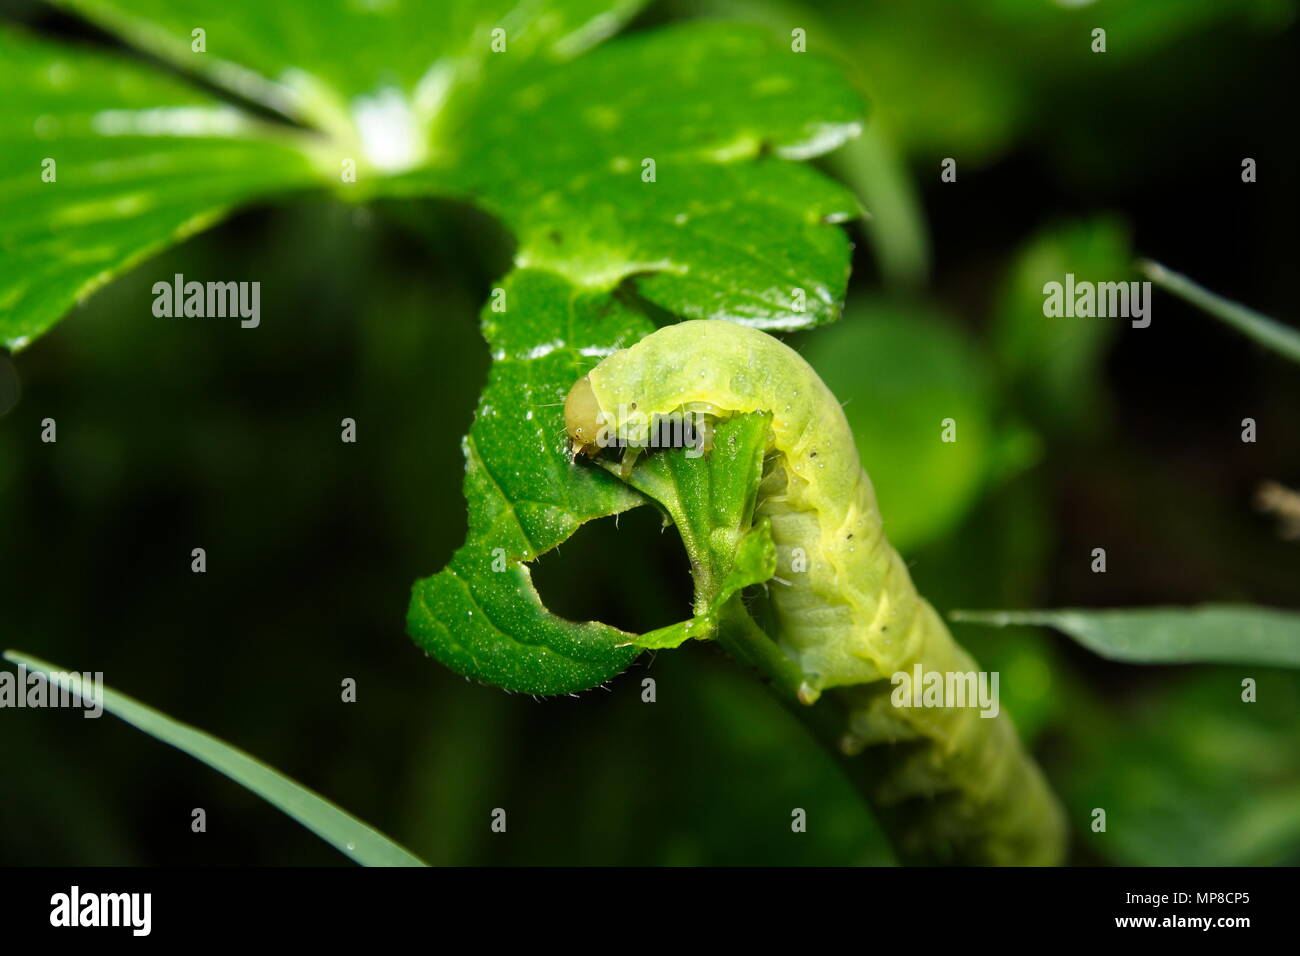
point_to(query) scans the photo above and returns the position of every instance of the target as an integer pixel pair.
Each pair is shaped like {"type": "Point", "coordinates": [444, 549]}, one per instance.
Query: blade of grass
{"type": "Point", "coordinates": [1209, 634]}
{"type": "Point", "coordinates": [1270, 333]}
{"type": "Point", "coordinates": [331, 823]}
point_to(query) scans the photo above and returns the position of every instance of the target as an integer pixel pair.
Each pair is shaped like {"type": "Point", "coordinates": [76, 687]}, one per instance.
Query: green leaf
{"type": "Point", "coordinates": [548, 136]}
{"type": "Point", "coordinates": [1222, 633]}
{"type": "Point", "coordinates": [372, 75]}
{"type": "Point", "coordinates": [715, 235]}
{"type": "Point", "coordinates": [746, 242]}
{"type": "Point", "coordinates": [710, 498]}
{"type": "Point", "coordinates": [138, 161]}
{"type": "Point", "coordinates": [1270, 333]}
{"type": "Point", "coordinates": [481, 616]}
{"type": "Point", "coordinates": [723, 230]}
{"type": "Point", "coordinates": [675, 635]}
{"type": "Point", "coordinates": [544, 134]}
{"type": "Point", "coordinates": [345, 832]}
{"type": "Point", "coordinates": [754, 562]}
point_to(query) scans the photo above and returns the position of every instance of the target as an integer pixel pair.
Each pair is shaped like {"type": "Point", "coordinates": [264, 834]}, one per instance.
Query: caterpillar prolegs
{"type": "Point", "coordinates": [957, 785]}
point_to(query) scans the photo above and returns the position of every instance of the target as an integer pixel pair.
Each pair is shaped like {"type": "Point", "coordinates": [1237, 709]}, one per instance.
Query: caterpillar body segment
{"type": "Point", "coordinates": [958, 785]}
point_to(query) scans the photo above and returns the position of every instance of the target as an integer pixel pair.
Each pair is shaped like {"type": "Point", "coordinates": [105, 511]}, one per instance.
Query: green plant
{"type": "Point", "coordinates": [645, 180]}
{"type": "Point", "coordinates": [627, 191]}
{"type": "Point", "coordinates": [342, 830]}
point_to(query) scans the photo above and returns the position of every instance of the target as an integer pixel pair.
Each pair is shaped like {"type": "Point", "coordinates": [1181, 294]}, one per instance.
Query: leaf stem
{"type": "Point", "coordinates": [826, 718]}
{"type": "Point", "coordinates": [741, 635]}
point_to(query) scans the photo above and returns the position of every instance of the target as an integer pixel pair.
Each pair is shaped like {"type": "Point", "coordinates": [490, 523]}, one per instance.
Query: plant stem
{"type": "Point", "coordinates": [826, 719]}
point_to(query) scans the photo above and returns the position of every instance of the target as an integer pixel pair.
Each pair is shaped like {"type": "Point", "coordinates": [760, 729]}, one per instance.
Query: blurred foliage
{"type": "Point", "coordinates": [1049, 367]}
{"type": "Point", "coordinates": [963, 79]}
{"type": "Point", "coordinates": [901, 369]}
{"type": "Point", "coordinates": [103, 162]}
{"type": "Point", "coordinates": [175, 433]}
{"type": "Point", "coordinates": [1190, 776]}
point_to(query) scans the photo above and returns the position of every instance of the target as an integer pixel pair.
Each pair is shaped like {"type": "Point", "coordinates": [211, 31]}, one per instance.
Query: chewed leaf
{"type": "Point", "coordinates": [675, 197]}
{"type": "Point", "coordinates": [481, 616]}
{"type": "Point", "coordinates": [1209, 634]}
{"type": "Point", "coordinates": [492, 626]}
{"type": "Point", "coordinates": [675, 635]}
{"type": "Point", "coordinates": [710, 498]}
{"type": "Point", "coordinates": [754, 562]}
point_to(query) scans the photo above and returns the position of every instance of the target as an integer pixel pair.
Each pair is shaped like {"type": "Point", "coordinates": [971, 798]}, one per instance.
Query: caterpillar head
{"type": "Point", "coordinates": [583, 419]}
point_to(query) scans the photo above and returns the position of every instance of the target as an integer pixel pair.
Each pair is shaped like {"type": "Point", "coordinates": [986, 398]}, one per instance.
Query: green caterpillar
{"type": "Point", "coordinates": [958, 786]}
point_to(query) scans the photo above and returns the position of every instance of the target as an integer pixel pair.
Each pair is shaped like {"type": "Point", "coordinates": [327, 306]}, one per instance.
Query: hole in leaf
{"type": "Point", "coordinates": [628, 571]}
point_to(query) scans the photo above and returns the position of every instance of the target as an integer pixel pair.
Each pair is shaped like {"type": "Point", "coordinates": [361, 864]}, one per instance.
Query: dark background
{"type": "Point", "coordinates": [175, 434]}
